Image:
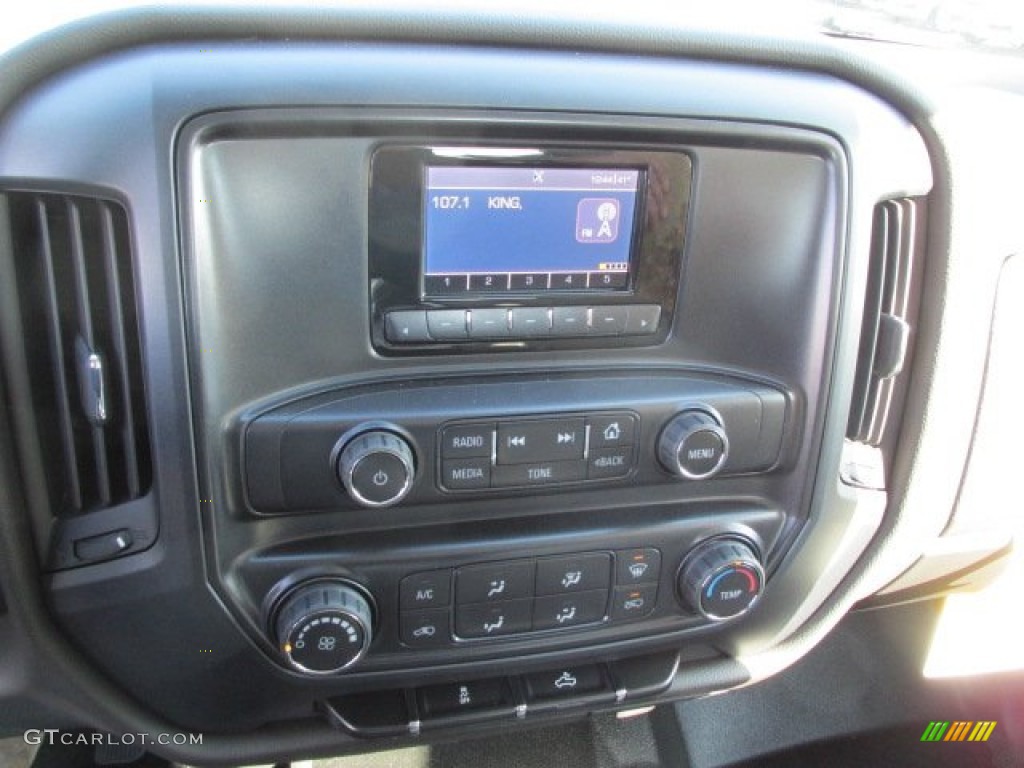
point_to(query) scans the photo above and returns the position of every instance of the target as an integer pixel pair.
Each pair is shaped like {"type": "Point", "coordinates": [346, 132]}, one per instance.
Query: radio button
{"type": "Point", "coordinates": [406, 326]}
{"type": "Point", "coordinates": [536, 441]}
{"type": "Point", "coordinates": [608, 321]}
{"type": "Point", "coordinates": [505, 618]}
{"type": "Point", "coordinates": [488, 323]}
{"type": "Point", "coordinates": [426, 590]}
{"type": "Point", "coordinates": [557, 611]}
{"type": "Point", "coordinates": [494, 582]}
{"type": "Point", "coordinates": [609, 463]}
{"type": "Point", "coordinates": [633, 602]}
{"type": "Point", "coordinates": [425, 629]}
{"type": "Point", "coordinates": [535, 281]}
{"type": "Point", "coordinates": [611, 430]}
{"type": "Point", "coordinates": [580, 573]}
{"type": "Point", "coordinates": [446, 324]}
{"type": "Point", "coordinates": [465, 474]}
{"type": "Point", "coordinates": [467, 441]}
{"type": "Point", "coordinates": [637, 566]}
{"type": "Point", "coordinates": [569, 321]}
{"type": "Point", "coordinates": [530, 321]}
{"type": "Point", "coordinates": [643, 319]}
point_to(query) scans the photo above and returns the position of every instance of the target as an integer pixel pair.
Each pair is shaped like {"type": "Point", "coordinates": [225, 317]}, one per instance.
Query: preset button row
{"type": "Point", "coordinates": [497, 323]}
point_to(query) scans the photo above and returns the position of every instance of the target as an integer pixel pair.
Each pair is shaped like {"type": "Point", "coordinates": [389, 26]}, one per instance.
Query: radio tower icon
{"type": "Point", "coordinates": [597, 220]}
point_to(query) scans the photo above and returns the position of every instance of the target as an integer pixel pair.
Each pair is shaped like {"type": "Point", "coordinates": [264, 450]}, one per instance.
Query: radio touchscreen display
{"type": "Point", "coordinates": [504, 229]}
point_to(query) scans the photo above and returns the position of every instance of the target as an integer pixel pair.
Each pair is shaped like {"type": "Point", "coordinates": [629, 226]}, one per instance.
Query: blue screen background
{"type": "Point", "coordinates": [539, 238]}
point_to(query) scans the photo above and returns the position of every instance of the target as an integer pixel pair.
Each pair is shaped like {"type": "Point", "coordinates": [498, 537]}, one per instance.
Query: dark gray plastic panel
{"type": "Point", "coordinates": [117, 118]}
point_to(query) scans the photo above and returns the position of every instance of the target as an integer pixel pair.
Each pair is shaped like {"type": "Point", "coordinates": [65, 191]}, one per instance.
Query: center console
{"type": "Point", "coordinates": [555, 411]}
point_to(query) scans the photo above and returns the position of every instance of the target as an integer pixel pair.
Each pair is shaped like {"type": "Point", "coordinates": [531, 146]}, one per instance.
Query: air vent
{"type": "Point", "coordinates": [885, 334]}
{"type": "Point", "coordinates": [76, 290]}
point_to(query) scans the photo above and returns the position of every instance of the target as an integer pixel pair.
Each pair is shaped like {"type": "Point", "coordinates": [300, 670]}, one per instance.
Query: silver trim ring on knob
{"type": "Point", "coordinates": [359, 612]}
{"type": "Point", "coordinates": [679, 430]}
{"type": "Point", "coordinates": [361, 445]}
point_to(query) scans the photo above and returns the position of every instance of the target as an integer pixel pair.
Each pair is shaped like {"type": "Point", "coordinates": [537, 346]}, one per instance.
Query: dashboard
{"type": "Point", "coordinates": [378, 382]}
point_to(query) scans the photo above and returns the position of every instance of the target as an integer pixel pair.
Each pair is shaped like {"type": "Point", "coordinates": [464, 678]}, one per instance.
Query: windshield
{"type": "Point", "coordinates": [987, 24]}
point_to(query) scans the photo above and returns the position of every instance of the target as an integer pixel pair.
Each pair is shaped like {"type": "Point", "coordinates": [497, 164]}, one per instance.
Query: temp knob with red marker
{"type": "Point", "coordinates": [721, 578]}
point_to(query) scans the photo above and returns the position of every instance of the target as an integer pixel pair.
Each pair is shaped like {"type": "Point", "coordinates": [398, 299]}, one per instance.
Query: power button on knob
{"type": "Point", "coordinates": [693, 445]}
{"type": "Point", "coordinates": [377, 468]}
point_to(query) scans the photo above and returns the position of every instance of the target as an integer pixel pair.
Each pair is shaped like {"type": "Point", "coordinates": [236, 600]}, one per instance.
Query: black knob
{"type": "Point", "coordinates": [693, 445]}
{"type": "Point", "coordinates": [721, 578]}
{"type": "Point", "coordinates": [324, 627]}
{"type": "Point", "coordinates": [377, 468]}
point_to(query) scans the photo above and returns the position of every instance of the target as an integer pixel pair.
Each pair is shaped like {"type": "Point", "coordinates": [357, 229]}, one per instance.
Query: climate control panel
{"type": "Point", "coordinates": [324, 624]}
{"type": "Point", "coordinates": [512, 597]}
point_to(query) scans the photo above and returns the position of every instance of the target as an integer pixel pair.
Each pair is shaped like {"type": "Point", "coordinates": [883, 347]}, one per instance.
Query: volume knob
{"type": "Point", "coordinates": [377, 468]}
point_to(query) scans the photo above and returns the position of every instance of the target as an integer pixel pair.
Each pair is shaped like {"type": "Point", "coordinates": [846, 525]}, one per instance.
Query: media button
{"type": "Point", "coordinates": [537, 473]}
{"type": "Point", "coordinates": [445, 285]}
{"type": "Point", "coordinates": [488, 323]}
{"type": "Point", "coordinates": [555, 611]}
{"type": "Point", "coordinates": [447, 323]}
{"type": "Point", "coordinates": [530, 321]}
{"type": "Point", "coordinates": [568, 281]}
{"type": "Point", "coordinates": [569, 321]}
{"type": "Point", "coordinates": [505, 618]}
{"type": "Point", "coordinates": [464, 474]}
{"type": "Point", "coordinates": [406, 326]}
{"type": "Point", "coordinates": [497, 281]}
{"type": "Point", "coordinates": [608, 321]}
{"type": "Point", "coordinates": [607, 463]}
{"type": "Point", "coordinates": [535, 441]}
{"type": "Point", "coordinates": [533, 281]}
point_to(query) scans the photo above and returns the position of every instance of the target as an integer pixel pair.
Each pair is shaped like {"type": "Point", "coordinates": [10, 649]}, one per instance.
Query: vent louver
{"type": "Point", "coordinates": [76, 290]}
{"type": "Point", "coordinates": [885, 333]}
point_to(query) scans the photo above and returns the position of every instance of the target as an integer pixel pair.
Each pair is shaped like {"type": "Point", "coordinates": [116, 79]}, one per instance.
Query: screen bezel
{"type": "Point", "coordinates": [395, 233]}
{"type": "Point", "coordinates": [639, 210]}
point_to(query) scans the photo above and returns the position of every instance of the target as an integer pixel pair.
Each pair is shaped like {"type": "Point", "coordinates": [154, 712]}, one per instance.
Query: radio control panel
{"type": "Point", "coordinates": [530, 453]}
{"type": "Point", "coordinates": [414, 443]}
